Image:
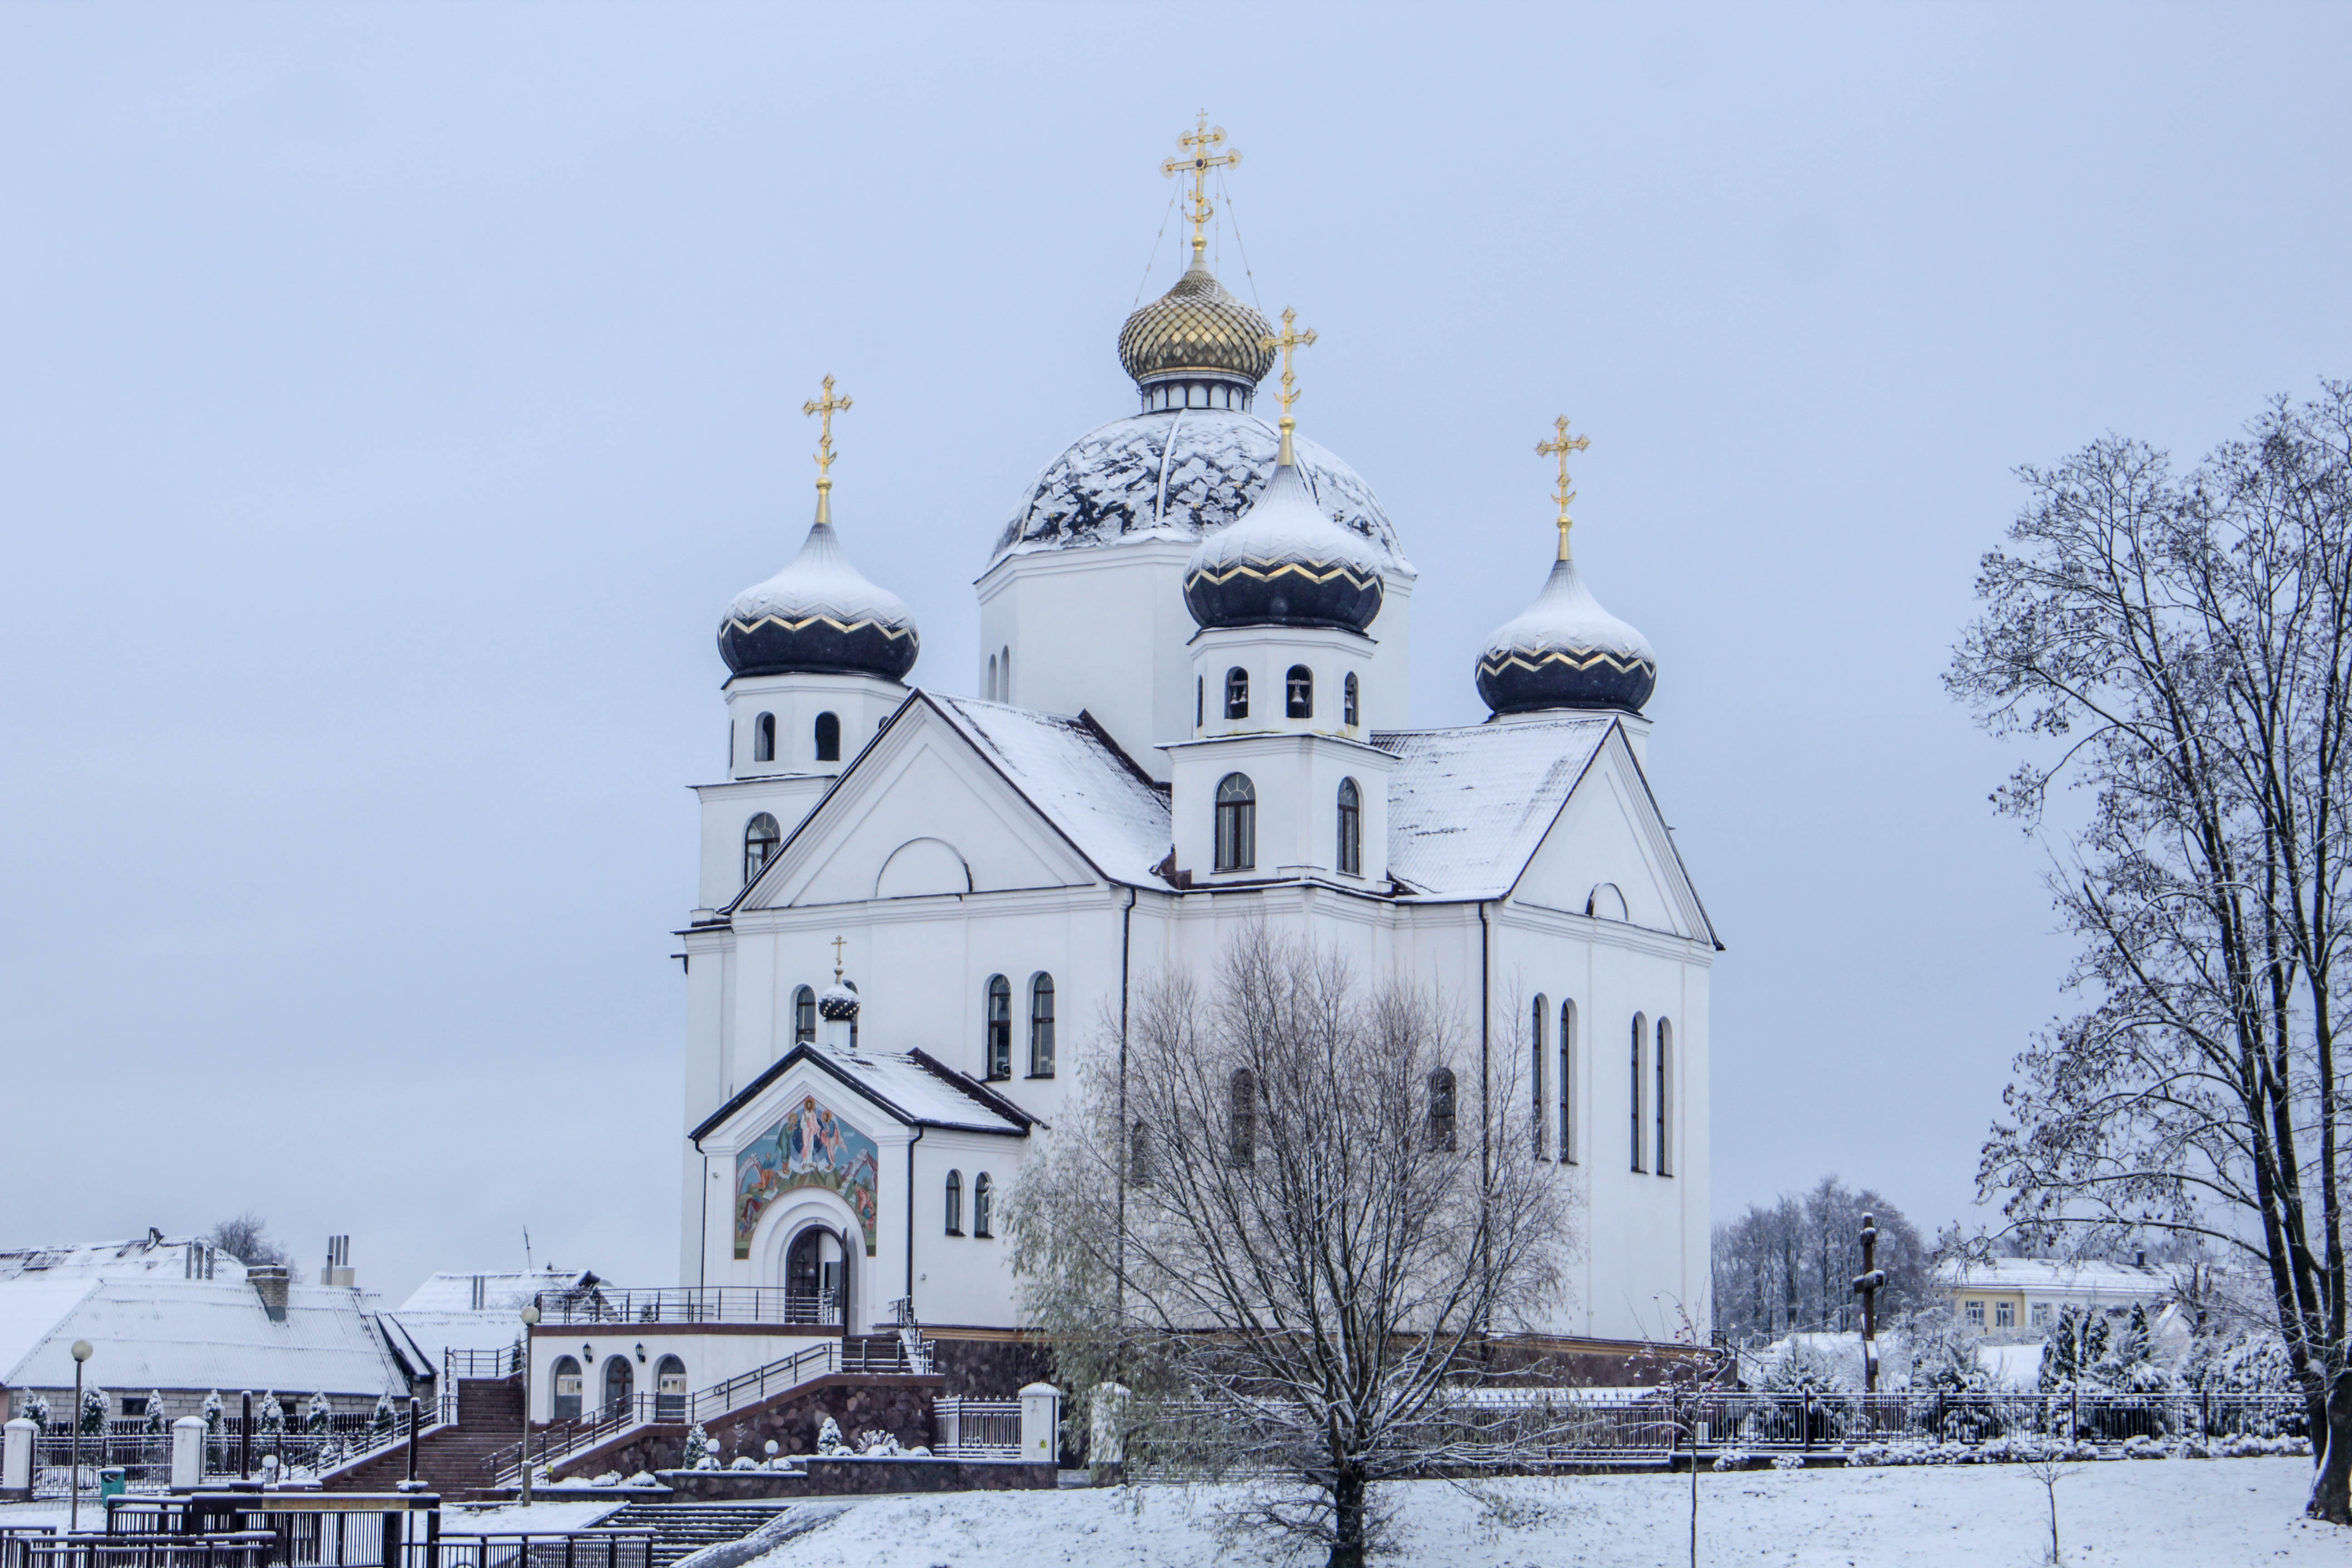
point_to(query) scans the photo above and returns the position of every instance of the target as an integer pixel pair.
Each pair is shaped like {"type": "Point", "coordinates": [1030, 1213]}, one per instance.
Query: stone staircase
{"type": "Point", "coordinates": [453, 1460]}
{"type": "Point", "coordinates": [682, 1527]}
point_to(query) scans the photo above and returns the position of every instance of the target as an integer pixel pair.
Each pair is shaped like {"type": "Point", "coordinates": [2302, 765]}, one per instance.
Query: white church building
{"type": "Point", "coordinates": [918, 911]}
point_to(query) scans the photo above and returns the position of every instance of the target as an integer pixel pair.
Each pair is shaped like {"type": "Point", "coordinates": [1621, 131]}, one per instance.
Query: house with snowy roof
{"type": "Point", "coordinates": [921, 912]}
{"type": "Point", "coordinates": [2027, 1295]}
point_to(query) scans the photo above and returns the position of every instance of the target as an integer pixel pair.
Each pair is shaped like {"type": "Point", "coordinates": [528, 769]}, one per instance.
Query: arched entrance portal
{"type": "Point", "coordinates": [816, 1277]}
{"type": "Point", "coordinates": [619, 1380]}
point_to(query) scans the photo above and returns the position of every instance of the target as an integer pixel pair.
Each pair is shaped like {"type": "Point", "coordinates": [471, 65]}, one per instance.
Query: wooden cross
{"type": "Point", "coordinates": [1869, 1281]}
{"type": "Point", "coordinates": [839, 943]}
{"type": "Point", "coordinates": [825, 408]}
{"type": "Point", "coordinates": [1561, 447]}
{"type": "Point", "coordinates": [1200, 160]}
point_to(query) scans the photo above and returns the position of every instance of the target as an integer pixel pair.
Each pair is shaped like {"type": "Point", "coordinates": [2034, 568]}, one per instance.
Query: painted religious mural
{"type": "Point", "coordinates": [810, 1146]}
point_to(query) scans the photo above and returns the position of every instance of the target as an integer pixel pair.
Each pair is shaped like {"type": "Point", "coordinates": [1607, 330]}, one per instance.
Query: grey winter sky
{"type": "Point", "coordinates": [395, 395]}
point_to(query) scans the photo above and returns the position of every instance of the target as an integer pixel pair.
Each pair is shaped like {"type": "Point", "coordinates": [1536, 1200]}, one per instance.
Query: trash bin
{"type": "Point", "coordinates": [113, 1481]}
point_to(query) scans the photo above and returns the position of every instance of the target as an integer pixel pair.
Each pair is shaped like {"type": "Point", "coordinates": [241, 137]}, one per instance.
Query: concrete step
{"type": "Point", "coordinates": [680, 1527]}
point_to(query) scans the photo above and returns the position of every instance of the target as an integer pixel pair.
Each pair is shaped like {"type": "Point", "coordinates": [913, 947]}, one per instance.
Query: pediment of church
{"type": "Point", "coordinates": [1608, 854]}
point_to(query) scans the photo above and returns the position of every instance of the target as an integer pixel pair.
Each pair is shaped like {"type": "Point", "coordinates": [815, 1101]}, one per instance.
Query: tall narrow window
{"type": "Point", "coordinates": [1004, 674]}
{"type": "Point", "coordinates": [1541, 1010]}
{"type": "Point", "coordinates": [1041, 1025]}
{"type": "Point", "coordinates": [1000, 1027]}
{"type": "Point", "coordinates": [1348, 700]}
{"type": "Point", "coordinates": [992, 677]}
{"type": "Point", "coordinates": [828, 737]}
{"type": "Point", "coordinates": [955, 1203]}
{"type": "Point", "coordinates": [1640, 1025]}
{"type": "Point", "coordinates": [1298, 692]}
{"type": "Point", "coordinates": [1440, 1108]}
{"type": "Point", "coordinates": [803, 1015]}
{"type": "Point", "coordinates": [1351, 828]}
{"type": "Point", "coordinates": [1568, 1083]}
{"type": "Point", "coordinates": [1237, 824]}
{"type": "Point", "coordinates": [1241, 1128]}
{"type": "Point", "coordinates": [761, 836]}
{"type": "Point", "coordinates": [1237, 693]}
{"type": "Point", "coordinates": [1665, 1098]}
{"type": "Point", "coordinates": [764, 737]}
{"type": "Point", "coordinates": [1200, 699]}
{"type": "Point", "coordinates": [1139, 1155]}
{"type": "Point", "coordinates": [983, 1199]}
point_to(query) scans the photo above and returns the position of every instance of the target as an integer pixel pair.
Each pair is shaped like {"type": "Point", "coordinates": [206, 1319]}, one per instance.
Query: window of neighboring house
{"type": "Point", "coordinates": [803, 1015]}
{"type": "Point", "coordinates": [761, 836]}
{"type": "Point", "coordinates": [1541, 1010]}
{"type": "Point", "coordinates": [1237, 693]}
{"type": "Point", "coordinates": [1440, 1108]}
{"type": "Point", "coordinates": [1351, 828]}
{"type": "Point", "coordinates": [764, 737]}
{"type": "Point", "coordinates": [1298, 692]}
{"type": "Point", "coordinates": [2004, 1314]}
{"type": "Point", "coordinates": [1567, 1083]}
{"type": "Point", "coordinates": [828, 737]}
{"type": "Point", "coordinates": [2039, 1314]}
{"type": "Point", "coordinates": [1041, 1025]}
{"type": "Point", "coordinates": [134, 1405]}
{"type": "Point", "coordinates": [1974, 1313]}
{"type": "Point", "coordinates": [1348, 690]}
{"type": "Point", "coordinates": [1000, 1027]}
{"type": "Point", "coordinates": [983, 1198]}
{"type": "Point", "coordinates": [1237, 824]}
{"type": "Point", "coordinates": [955, 1203]}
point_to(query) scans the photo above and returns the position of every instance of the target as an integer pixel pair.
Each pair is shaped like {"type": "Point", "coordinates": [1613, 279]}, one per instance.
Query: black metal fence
{"type": "Point", "coordinates": [349, 1530]}
{"type": "Point", "coordinates": [690, 1304]}
{"type": "Point", "coordinates": [145, 1458]}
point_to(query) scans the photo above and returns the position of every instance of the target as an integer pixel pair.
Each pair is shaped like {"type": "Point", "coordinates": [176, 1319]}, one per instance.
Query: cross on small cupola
{"type": "Point", "coordinates": [825, 408]}
{"type": "Point", "coordinates": [1199, 146]}
{"type": "Point", "coordinates": [1560, 446]}
{"type": "Point", "coordinates": [1286, 341]}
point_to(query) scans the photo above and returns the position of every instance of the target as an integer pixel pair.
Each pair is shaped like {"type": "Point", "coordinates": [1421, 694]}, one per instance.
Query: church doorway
{"type": "Point", "coordinates": [816, 1277]}
{"type": "Point", "coordinates": [619, 1380]}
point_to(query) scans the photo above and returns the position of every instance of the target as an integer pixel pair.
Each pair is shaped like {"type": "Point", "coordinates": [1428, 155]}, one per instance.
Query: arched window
{"type": "Point", "coordinates": [1004, 674]}
{"type": "Point", "coordinates": [955, 1203]}
{"type": "Point", "coordinates": [1348, 690]}
{"type": "Point", "coordinates": [1641, 1026]}
{"type": "Point", "coordinates": [803, 1015]}
{"type": "Point", "coordinates": [1000, 1027]}
{"type": "Point", "coordinates": [1440, 1108]}
{"type": "Point", "coordinates": [992, 677]}
{"type": "Point", "coordinates": [1139, 1155]}
{"type": "Point", "coordinates": [828, 737]}
{"type": "Point", "coordinates": [1568, 1083]}
{"type": "Point", "coordinates": [1535, 1071]}
{"type": "Point", "coordinates": [1237, 693]}
{"type": "Point", "coordinates": [764, 737]}
{"type": "Point", "coordinates": [761, 836]}
{"type": "Point", "coordinates": [1241, 1131]}
{"type": "Point", "coordinates": [1200, 699]}
{"type": "Point", "coordinates": [983, 1198]}
{"type": "Point", "coordinates": [1298, 692]}
{"type": "Point", "coordinates": [1665, 1096]}
{"type": "Point", "coordinates": [1237, 824]}
{"type": "Point", "coordinates": [1041, 1025]}
{"type": "Point", "coordinates": [1351, 828]}
{"type": "Point", "coordinates": [669, 1389]}
{"type": "Point", "coordinates": [564, 1388]}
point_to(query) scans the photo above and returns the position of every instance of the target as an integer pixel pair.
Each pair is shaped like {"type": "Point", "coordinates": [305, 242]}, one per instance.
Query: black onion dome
{"type": "Point", "coordinates": [818, 615]}
{"type": "Point", "coordinates": [1283, 563]}
{"type": "Point", "coordinates": [839, 1003]}
{"type": "Point", "coordinates": [1196, 327]}
{"type": "Point", "coordinates": [1566, 651]}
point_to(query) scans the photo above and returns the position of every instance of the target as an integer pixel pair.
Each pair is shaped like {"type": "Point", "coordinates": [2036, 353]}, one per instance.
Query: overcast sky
{"type": "Point", "coordinates": [395, 397]}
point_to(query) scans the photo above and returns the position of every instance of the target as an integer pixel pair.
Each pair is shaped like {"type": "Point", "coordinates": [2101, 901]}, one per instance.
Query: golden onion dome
{"type": "Point", "coordinates": [1196, 329]}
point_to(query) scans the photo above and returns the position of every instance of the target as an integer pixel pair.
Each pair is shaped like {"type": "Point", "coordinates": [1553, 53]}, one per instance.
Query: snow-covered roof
{"type": "Point", "coordinates": [153, 1254]}
{"type": "Point", "coordinates": [1077, 776]}
{"type": "Point", "coordinates": [911, 1086]}
{"type": "Point", "coordinates": [1468, 808]}
{"type": "Point", "coordinates": [2086, 1278]}
{"type": "Point", "coordinates": [500, 1293]}
{"type": "Point", "coordinates": [165, 1333]}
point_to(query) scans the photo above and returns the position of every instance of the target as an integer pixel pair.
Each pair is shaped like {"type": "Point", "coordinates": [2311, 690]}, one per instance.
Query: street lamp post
{"type": "Point", "coordinates": [81, 1353]}
{"type": "Point", "coordinates": [522, 1371]}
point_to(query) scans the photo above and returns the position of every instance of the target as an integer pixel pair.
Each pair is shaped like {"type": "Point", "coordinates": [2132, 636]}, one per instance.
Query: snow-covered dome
{"type": "Point", "coordinates": [1283, 563]}
{"type": "Point", "coordinates": [818, 614]}
{"type": "Point", "coordinates": [1566, 651]}
{"type": "Point", "coordinates": [1197, 333]}
{"type": "Point", "coordinates": [1179, 475]}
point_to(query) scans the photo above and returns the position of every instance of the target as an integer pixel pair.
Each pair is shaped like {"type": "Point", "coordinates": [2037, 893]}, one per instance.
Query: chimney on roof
{"type": "Point", "coordinates": [339, 1274]}
{"type": "Point", "coordinates": [2139, 1259]}
{"type": "Point", "coordinates": [269, 1282]}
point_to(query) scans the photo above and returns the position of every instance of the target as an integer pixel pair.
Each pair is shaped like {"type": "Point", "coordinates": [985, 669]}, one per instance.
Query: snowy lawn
{"type": "Point", "coordinates": [2167, 1513]}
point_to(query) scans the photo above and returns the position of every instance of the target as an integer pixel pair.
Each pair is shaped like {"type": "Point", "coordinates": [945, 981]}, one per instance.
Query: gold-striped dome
{"type": "Point", "coordinates": [1197, 327]}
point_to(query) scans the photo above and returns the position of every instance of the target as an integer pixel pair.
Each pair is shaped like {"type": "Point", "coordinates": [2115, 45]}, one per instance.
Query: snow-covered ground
{"type": "Point", "coordinates": [2166, 1513]}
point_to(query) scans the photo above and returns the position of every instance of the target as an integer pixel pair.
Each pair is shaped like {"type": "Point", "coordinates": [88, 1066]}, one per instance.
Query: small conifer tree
{"type": "Point", "coordinates": [212, 1413]}
{"type": "Point", "coordinates": [156, 1420]}
{"type": "Point", "coordinates": [272, 1416]}
{"type": "Point", "coordinates": [95, 1409]}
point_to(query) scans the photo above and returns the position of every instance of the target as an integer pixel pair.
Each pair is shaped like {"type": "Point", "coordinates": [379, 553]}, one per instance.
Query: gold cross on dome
{"type": "Point", "coordinates": [1198, 159]}
{"type": "Point", "coordinates": [839, 943]}
{"type": "Point", "coordinates": [1289, 338]}
{"type": "Point", "coordinates": [825, 408]}
{"type": "Point", "coordinates": [1560, 447]}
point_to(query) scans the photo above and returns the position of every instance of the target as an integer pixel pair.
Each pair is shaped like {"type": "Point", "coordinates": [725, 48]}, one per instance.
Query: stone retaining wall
{"type": "Point", "coordinates": [898, 1405]}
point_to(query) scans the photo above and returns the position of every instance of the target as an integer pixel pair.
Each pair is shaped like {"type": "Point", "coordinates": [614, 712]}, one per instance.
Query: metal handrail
{"type": "Point", "coordinates": [690, 1304]}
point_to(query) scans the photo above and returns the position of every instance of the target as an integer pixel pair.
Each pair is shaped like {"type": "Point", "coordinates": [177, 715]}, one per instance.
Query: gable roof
{"type": "Point", "coordinates": [1469, 807]}
{"type": "Point", "coordinates": [915, 1089]}
{"type": "Point", "coordinates": [166, 1333]}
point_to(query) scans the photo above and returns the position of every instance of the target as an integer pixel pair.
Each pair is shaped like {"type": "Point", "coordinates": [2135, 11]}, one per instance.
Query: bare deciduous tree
{"type": "Point", "coordinates": [1791, 1266]}
{"type": "Point", "coordinates": [2183, 648]}
{"type": "Point", "coordinates": [246, 1239]}
{"type": "Point", "coordinates": [1293, 1228]}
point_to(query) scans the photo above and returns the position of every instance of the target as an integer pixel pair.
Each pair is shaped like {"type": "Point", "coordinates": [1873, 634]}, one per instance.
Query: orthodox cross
{"type": "Point", "coordinates": [1288, 339]}
{"type": "Point", "coordinates": [1560, 447]}
{"type": "Point", "coordinates": [825, 408]}
{"type": "Point", "coordinates": [1198, 159]}
{"type": "Point", "coordinates": [1869, 1281]}
{"type": "Point", "coordinates": [839, 943]}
